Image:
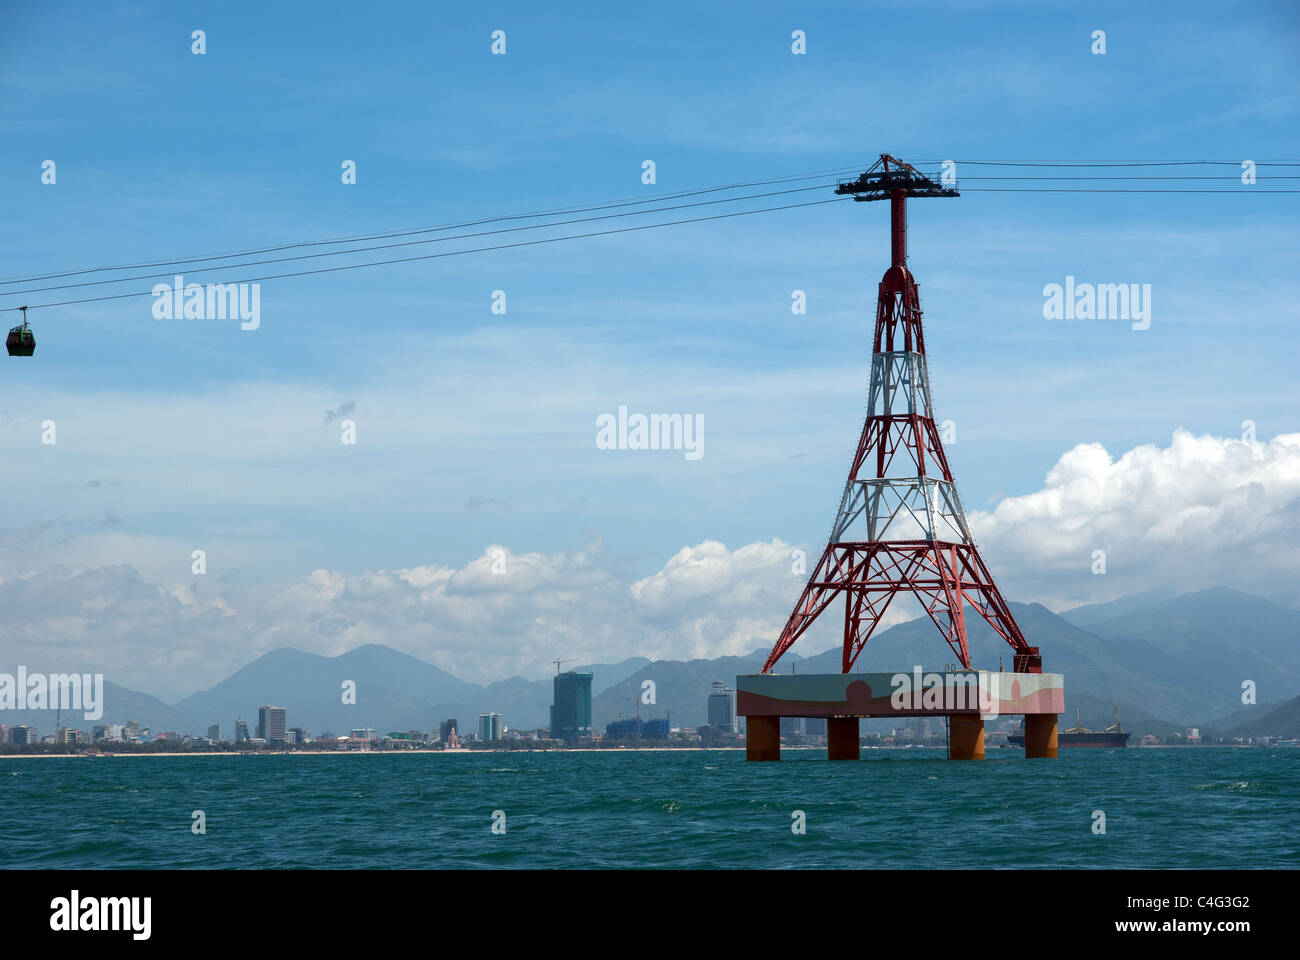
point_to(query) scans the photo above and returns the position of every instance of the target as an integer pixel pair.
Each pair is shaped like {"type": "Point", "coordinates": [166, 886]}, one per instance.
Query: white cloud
{"type": "Point", "coordinates": [1202, 511]}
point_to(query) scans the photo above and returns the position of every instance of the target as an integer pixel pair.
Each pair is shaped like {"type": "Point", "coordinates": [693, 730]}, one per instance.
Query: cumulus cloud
{"type": "Point", "coordinates": [108, 619]}
{"type": "Point", "coordinates": [501, 614]}
{"type": "Point", "coordinates": [708, 601]}
{"type": "Point", "coordinates": [1202, 511]}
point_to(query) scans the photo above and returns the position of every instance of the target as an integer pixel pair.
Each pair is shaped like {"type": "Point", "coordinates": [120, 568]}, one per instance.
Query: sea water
{"type": "Point", "coordinates": [1160, 808]}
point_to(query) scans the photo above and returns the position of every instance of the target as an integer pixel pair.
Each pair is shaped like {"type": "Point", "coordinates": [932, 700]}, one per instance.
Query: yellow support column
{"type": "Point", "coordinates": [1040, 735]}
{"type": "Point", "coordinates": [965, 736]}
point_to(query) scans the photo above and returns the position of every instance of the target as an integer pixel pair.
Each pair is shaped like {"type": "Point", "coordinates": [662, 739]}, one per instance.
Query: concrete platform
{"type": "Point", "coordinates": [967, 696]}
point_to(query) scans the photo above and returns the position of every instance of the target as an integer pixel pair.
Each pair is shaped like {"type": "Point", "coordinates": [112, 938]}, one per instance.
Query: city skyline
{"type": "Point", "coordinates": [1192, 630]}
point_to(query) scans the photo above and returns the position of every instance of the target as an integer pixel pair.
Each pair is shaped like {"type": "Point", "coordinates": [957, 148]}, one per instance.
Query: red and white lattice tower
{"type": "Point", "coordinates": [900, 526]}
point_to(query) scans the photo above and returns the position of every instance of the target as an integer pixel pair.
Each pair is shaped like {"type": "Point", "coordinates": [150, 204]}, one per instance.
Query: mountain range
{"type": "Point", "coordinates": [1270, 720]}
{"type": "Point", "coordinates": [1166, 662]}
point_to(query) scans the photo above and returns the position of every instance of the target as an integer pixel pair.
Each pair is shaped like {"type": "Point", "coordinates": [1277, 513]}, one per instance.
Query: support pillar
{"type": "Point", "coordinates": [843, 742]}
{"type": "Point", "coordinates": [966, 736]}
{"type": "Point", "coordinates": [762, 738]}
{"type": "Point", "coordinates": [1040, 735]}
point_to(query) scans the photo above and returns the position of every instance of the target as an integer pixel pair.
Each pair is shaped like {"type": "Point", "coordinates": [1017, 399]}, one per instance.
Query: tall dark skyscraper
{"type": "Point", "coordinates": [722, 708]}
{"type": "Point", "coordinates": [271, 724]}
{"type": "Point", "coordinates": [445, 730]}
{"type": "Point", "coordinates": [571, 711]}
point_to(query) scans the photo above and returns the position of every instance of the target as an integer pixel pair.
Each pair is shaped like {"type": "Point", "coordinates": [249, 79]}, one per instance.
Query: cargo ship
{"type": "Point", "coordinates": [1081, 736]}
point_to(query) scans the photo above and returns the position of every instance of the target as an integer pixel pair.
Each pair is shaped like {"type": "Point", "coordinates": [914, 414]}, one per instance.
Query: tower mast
{"type": "Point", "coordinates": [901, 527]}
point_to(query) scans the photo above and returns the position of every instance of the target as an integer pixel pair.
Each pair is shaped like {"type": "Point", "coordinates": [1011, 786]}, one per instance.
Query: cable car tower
{"type": "Point", "coordinates": [900, 526]}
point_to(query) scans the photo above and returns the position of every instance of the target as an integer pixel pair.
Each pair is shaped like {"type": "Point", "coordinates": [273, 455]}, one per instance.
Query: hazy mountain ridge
{"type": "Point", "coordinates": [681, 690]}
{"type": "Point", "coordinates": [1216, 639]}
{"type": "Point", "coordinates": [1091, 613]}
{"type": "Point", "coordinates": [1280, 720]}
{"type": "Point", "coordinates": [394, 691]}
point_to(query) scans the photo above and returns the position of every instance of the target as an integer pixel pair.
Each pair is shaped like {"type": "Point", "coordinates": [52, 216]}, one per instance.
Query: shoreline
{"type": "Point", "coordinates": [497, 753]}
{"type": "Point", "coordinates": [387, 753]}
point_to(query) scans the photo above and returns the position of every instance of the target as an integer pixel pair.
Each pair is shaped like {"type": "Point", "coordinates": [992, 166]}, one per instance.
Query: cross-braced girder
{"type": "Point", "coordinates": [944, 576]}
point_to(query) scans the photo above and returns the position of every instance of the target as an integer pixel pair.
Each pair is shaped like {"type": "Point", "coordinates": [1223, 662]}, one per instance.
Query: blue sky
{"type": "Point", "coordinates": [477, 429]}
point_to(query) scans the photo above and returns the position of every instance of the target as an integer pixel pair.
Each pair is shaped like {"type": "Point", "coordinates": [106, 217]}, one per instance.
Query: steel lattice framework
{"type": "Point", "coordinates": [900, 499]}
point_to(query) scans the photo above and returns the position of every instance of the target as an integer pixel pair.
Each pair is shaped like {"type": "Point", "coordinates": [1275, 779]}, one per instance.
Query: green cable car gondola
{"type": "Point", "coordinates": [21, 342]}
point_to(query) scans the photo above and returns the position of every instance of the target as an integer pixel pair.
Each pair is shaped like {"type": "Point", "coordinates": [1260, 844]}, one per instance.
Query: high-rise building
{"type": "Point", "coordinates": [571, 710]}
{"type": "Point", "coordinates": [814, 726]}
{"type": "Point", "coordinates": [722, 707]}
{"type": "Point", "coordinates": [214, 733]}
{"type": "Point", "coordinates": [241, 731]}
{"type": "Point", "coordinates": [447, 729]}
{"type": "Point", "coordinates": [22, 734]}
{"type": "Point", "coordinates": [792, 726]}
{"type": "Point", "coordinates": [491, 727]}
{"type": "Point", "coordinates": [132, 731]}
{"type": "Point", "coordinates": [271, 724]}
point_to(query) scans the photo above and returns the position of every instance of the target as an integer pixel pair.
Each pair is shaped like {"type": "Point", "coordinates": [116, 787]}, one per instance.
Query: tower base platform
{"type": "Point", "coordinates": [966, 697]}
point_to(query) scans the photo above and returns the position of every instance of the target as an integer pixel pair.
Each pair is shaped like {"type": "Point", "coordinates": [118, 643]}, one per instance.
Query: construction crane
{"type": "Point", "coordinates": [557, 661]}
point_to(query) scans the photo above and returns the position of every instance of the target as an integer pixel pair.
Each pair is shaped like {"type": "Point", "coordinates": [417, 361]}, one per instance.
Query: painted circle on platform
{"type": "Point", "coordinates": [859, 695]}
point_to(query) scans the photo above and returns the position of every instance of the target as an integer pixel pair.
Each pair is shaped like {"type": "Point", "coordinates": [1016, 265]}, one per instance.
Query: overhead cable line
{"type": "Point", "coordinates": [641, 202]}
{"type": "Point", "coordinates": [613, 204]}
{"type": "Point", "coordinates": [594, 205]}
{"type": "Point", "coordinates": [457, 253]}
{"type": "Point", "coordinates": [410, 243]}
